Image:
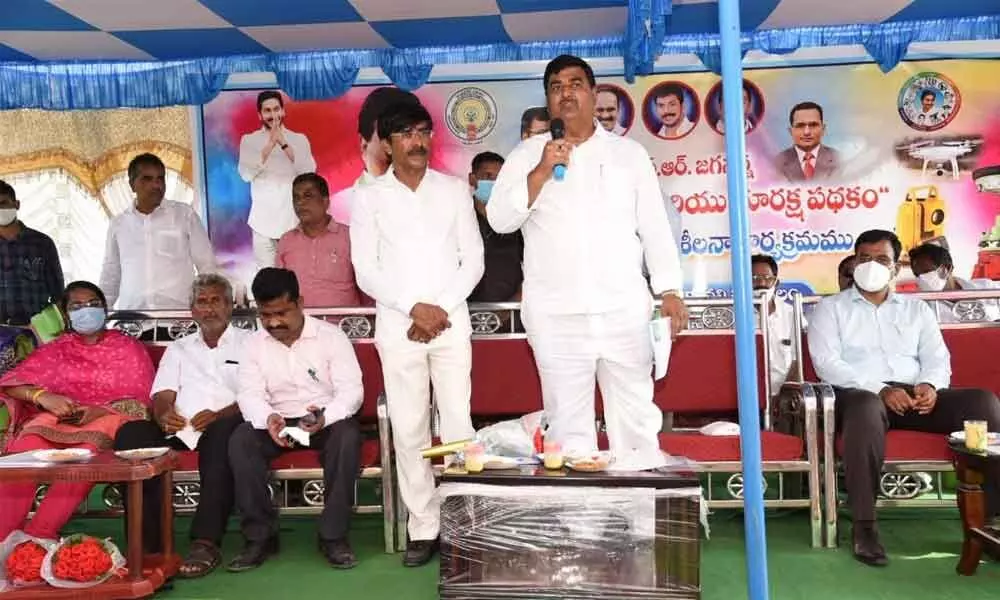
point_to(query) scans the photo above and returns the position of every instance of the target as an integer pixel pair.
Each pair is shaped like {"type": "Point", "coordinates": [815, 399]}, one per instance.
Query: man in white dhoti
{"type": "Point", "coordinates": [586, 305]}
{"type": "Point", "coordinates": [417, 251]}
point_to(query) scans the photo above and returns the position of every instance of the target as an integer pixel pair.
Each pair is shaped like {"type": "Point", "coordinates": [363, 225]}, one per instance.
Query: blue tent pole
{"type": "Point", "coordinates": [746, 347]}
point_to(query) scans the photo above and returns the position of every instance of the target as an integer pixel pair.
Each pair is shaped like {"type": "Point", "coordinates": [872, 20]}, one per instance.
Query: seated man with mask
{"type": "Point", "coordinates": [502, 253]}
{"type": "Point", "coordinates": [884, 355]}
{"type": "Point", "coordinates": [935, 272]}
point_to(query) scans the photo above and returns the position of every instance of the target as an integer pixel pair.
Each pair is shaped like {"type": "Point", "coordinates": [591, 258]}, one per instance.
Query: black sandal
{"type": "Point", "coordinates": [202, 559]}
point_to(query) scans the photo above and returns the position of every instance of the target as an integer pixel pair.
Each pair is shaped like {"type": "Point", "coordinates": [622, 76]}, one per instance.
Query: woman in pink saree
{"type": "Point", "coordinates": [74, 392]}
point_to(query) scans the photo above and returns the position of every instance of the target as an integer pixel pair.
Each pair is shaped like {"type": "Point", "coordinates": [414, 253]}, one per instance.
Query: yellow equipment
{"type": "Point", "coordinates": [921, 217]}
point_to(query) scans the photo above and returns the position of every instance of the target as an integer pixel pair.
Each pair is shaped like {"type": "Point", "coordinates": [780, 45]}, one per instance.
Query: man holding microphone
{"type": "Point", "coordinates": [590, 208]}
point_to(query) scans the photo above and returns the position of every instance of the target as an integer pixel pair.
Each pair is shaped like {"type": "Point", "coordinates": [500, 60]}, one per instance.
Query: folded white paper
{"type": "Point", "coordinates": [659, 336]}
{"type": "Point", "coordinates": [299, 435]}
{"type": "Point", "coordinates": [189, 436]}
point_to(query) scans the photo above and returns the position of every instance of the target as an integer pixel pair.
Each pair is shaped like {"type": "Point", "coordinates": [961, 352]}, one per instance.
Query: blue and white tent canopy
{"type": "Point", "coordinates": [201, 40]}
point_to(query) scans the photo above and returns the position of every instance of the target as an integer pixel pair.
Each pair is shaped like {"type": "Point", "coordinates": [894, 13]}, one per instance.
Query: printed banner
{"type": "Point", "coordinates": [865, 150]}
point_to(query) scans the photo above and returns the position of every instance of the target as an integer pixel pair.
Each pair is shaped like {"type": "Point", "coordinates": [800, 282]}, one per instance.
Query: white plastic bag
{"type": "Point", "coordinates": [48, 567]}
{"type": "Point", "coordinates": [514, 438]}
{"type": "Point", "coordinates": [15, 539]}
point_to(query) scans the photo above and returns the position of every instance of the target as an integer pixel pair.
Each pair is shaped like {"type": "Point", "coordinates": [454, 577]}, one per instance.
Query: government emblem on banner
{"type": "Point", "coordinates": [929, 101]}
{"type": "Point", "coordinates": [471, 114]}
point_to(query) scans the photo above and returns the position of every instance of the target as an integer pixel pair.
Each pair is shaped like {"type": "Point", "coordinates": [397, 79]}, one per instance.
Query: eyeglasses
{"type": "Point", "coordinates": [95, 303]}
{"type": "Point", "coordinates": [412, 134]}
{"type": "Point", "coordinates": [768, 279]}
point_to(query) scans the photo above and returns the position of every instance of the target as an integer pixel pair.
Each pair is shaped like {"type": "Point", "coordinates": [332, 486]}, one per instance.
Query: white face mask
{"type": "Point", "coordinates": [931, 281]}
{"type": "Point", "coordinates": [872, 277]}
{"type": "Point", "coordinates": [7, 216]}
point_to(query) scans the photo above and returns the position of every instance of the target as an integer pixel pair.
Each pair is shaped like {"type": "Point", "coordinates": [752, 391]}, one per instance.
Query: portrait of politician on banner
{"type": "Point", "coordinates": [823, 164]}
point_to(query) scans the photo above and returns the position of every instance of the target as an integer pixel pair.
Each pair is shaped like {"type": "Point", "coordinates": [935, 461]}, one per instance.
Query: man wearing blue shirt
{"type": "Point", "coordinates": [884, 354]}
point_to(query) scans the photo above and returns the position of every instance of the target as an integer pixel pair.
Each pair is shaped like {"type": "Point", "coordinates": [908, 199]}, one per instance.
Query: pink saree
{"type": "Point", "coordinates": [116, 374]}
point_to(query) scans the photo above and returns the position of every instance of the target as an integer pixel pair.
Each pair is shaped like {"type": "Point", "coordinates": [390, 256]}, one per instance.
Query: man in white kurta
{"type": "Point", "coordinates": [417, 251]}
{"type": "Point", "coordinates": [586, 305]}
{"type": "Point", "coordinates": [270, 158]}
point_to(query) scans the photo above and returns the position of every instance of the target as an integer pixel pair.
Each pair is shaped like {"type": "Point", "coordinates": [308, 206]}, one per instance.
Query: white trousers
{"type": "Point", "coordinates": [265, 250]}
{"type": "Point", "coordinates": [409, 370]}
{"type": "Point", "coordinates": [570, 352]}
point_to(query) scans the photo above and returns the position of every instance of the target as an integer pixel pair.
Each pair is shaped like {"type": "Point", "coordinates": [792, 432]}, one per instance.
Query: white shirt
{"type": "Point", "coordinates": [342, 203]}
{"type": "Point", "coordinates": [586, 237]}
{"type": "Point", "coordinates": [204, 378]}
{"type": "Point", "coordinates": [318, 369]}
{"type": "Point", "coordinates": [416, 246]}
{"type": "Point", "coordinates": [781, 339]}
{"type": "Point", "coordinates": [150, 260]}
{"type": "Point", "coordinates": [682, 129]}
{"type": "Point", "coordinates": [271, 212]}
{"type": "Point", "coordinates": [855, 344]}
{"type": "Point", "coordinates": [747, 126]}
{"type": "Point", "coordinates": [618, 129]}
{"type": "Point", "coordinates": [944, 308]}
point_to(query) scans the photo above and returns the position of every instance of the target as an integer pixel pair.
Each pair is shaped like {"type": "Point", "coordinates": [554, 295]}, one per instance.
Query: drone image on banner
{"type": "Point", "coordinates": [942, 155]}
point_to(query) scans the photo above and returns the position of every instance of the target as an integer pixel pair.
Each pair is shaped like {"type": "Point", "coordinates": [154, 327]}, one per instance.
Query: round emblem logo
{"type": "Point", "coordinates": [928, 101]}
{"type": "Point", "coordinates": [471, 114]}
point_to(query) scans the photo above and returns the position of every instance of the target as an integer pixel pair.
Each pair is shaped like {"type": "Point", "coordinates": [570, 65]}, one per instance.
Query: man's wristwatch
{"type": "Point", "coordinates": [284, 146]}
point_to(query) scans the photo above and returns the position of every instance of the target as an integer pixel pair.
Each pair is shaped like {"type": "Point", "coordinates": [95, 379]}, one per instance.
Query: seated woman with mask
{"type": "Point", "coordinates": [74, 392]}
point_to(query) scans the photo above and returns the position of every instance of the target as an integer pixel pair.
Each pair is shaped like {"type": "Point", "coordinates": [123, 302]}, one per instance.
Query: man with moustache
{"type": "Point", "coordinates": [780, 321]}
{"type": "Point", "coordinates": [155, 246]}
{"type": "Point", "coordinates": [375, 160]}
{"type": "Point", "coordinates": [270, 158]}
{"type": "Point", "coordinates": [808, 159]}
{"type": "Point", "coordinates": [319, 249]}
{"type": "Point", "coordinates": [670, 109]}
{"type": "Point", "coordinates": [195, 390]}
{"type": "Point", "coordinates": [298, 372]}
{"type": "Point", "coordinates": [586, 305]}
{"type": "Point", "coordinates": [884, 356]}
{"type": "Point", "coordinates": [417, 251]}
{"type": "Point", "coordinates": [606, 110]}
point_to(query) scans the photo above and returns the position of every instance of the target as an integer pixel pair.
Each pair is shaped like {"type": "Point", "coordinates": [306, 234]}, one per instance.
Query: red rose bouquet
{"type": "Point", "coordinates": [21, 558]}
{"type": "Point", "coordinates": [81, 561]}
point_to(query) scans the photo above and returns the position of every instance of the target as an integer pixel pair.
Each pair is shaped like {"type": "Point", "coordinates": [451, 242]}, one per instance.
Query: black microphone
{"type": "Point", "coordinates": [558, 130]}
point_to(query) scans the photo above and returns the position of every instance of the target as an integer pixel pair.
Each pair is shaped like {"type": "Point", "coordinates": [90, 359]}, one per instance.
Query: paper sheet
{"type": "Point", "coordinates": [297, 434]}
{"type": "Point", "coordinates": [189, 436]}
{"type": "Point", "coordinates": [659, 336]}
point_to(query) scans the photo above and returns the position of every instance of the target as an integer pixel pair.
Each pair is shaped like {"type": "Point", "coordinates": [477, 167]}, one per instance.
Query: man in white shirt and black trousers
{"type": "Point", "coordinates": [586, 305]}
{"type": "Point", "coordinates": [417, 251]}
{"type": "Point", "coordinates": [270, 158]}
{"type": "Point", "coordinates": [298, 372]}
{"type": "Point", "coordinates": [196, 388]}
{"type": "Point", "coordinates": [884, 354]}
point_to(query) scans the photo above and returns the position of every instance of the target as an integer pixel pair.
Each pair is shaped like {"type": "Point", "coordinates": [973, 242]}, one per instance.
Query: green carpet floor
{"type": "Point", "coordinates": [923, 546]}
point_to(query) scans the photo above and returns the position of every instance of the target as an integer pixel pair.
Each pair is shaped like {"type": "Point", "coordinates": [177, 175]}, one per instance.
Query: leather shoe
{"type": "Point", "coordinates": [867, 547]}
{"type": "Point", "coordinates": [419, 552]}
{"type": "Point", "coordinates": [253, 555]}
{"type": "Point", "coordinates": [338, 553]}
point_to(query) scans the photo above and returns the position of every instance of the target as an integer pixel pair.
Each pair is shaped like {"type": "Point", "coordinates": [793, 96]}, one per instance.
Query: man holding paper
{"type": "Point", "coordinates": [588, 225]}
{"type": "Point", "coordinates": [194, 407]}
{"type": "Point", "coordinates": [300, 384]}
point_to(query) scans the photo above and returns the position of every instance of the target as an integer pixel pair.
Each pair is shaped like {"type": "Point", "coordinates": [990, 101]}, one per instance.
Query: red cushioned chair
{"type": "Point", "coordinates": [973, 348]}
{"type": "Point", "coordinates": [702, 380]}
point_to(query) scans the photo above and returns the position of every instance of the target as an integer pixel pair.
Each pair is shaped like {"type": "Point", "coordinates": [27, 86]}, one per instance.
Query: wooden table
{"type": "Point", "coordinates": [146, 573]}
{"type": "Point", "coordinates": [514, 535]}
{"type": "Point", "coordinates": [971, 467]}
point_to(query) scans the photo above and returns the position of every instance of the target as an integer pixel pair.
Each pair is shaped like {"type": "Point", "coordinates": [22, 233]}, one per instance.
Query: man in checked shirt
{"type": "Point", "coordinates": [30, 273]}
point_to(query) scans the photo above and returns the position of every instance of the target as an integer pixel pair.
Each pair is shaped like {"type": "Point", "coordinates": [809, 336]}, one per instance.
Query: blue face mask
{"type": "Point", "coordinates": [484, 187]}
{"type": "Point", "coordinates": [87, 320]}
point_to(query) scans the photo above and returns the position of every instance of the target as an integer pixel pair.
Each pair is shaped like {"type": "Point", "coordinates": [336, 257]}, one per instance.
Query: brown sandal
{"type": "Point", "coordinates": [202, 559]}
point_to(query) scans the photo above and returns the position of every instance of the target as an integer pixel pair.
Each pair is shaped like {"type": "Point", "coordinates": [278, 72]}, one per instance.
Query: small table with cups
{"type": "Point", "coordinates": [975, 453]}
